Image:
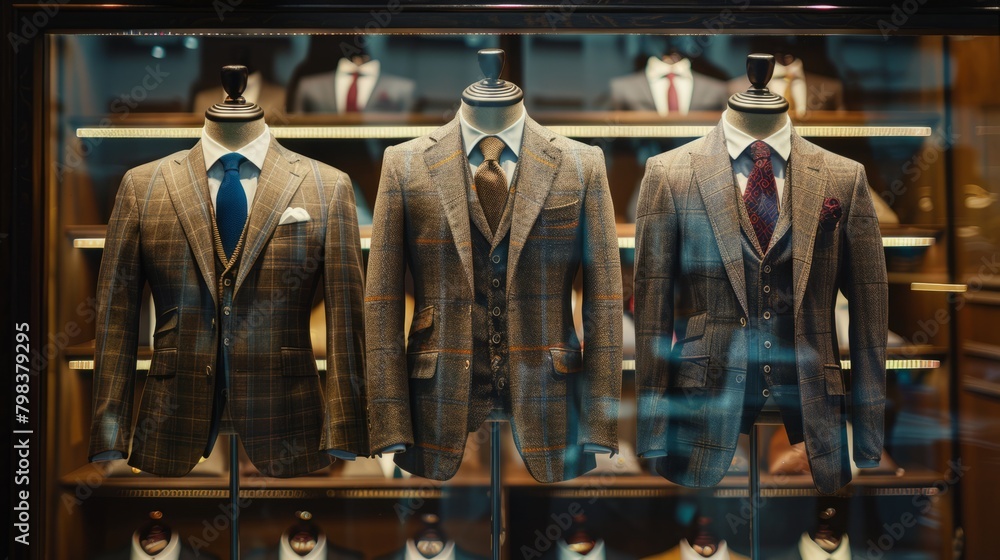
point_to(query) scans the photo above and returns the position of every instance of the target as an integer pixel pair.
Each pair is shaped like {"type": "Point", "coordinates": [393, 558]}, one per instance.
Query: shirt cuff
{"type": "Point", "coordinates": [654, 453]}
{"type": "Point", "coordinates": [107, 456]}
{"type": "Point", "coordinates": [395, 448]}
{"type": "Point", "coordinates": [594, 448]}
{"type": "Point", "coordinates": [343, 455]}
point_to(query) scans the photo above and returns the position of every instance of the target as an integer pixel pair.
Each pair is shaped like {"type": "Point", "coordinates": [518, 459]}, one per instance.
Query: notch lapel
{"type": "Point", "coordinates": [278, 181]}
{"type": "Point", "coordinates": [186, 180]}
{"type": "Point", "coordinates": [537, 163]}
{"type": "Point", "coordinates": [447, 164]}
{"type": "Point", "coordinates": [806, 176]}
{"type": "Point", "coordinates": [713, 171]}
{"type": "Point", "coordinates": [642, 88]}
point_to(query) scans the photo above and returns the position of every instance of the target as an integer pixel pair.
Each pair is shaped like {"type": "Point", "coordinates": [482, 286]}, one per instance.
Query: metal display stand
{"type": "Point", "coordinates": [234, 497]}
{"type": "Point", "coordinates": [769, 416]}
{"type": "Point", "coordinates": [496, 493]}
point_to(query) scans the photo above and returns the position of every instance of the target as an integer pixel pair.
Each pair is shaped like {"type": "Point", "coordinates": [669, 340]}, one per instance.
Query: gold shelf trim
{"type": "Point", "coordinates": [936, 287]}
{"type": "Point", "coordinates": [143, 365]}
{"type": "Point", "coordinates": [901, 364]}
{"type": "Point", "coordinates": [88, 243]}
{"type": "Point", "coordinates": [907, 241]}
{"type": "Point", "coordinates": [572, 131]}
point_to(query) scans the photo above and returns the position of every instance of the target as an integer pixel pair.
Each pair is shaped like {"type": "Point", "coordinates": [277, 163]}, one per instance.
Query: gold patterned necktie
{"type": "Point", "coordinates": [491, 183]}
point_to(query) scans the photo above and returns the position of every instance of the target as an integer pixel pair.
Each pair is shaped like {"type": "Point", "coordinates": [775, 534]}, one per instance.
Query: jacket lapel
{"type": "Point", "coordinates": [537, 163]}
{"type": "Point", "coordinates": [446, 164]}
{"type": "Point", "coordinates": [186, 180]}
{"type": "Point", "coordinates": [278, 181]}
{"type": "Point", "coordinates": [713, 172]}
{"type": "Point", "coordinates": [645, 94]}
{"type": "Point", "coordinates": [806, 176]}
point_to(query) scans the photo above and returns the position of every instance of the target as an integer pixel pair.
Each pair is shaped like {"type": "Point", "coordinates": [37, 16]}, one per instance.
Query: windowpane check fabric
{"type": "Point", "coordinates": [231, 204]}
{"type": "Point", "coordinates": [491, 183]}
{"type": "Point", "coordinates": [761, 196]}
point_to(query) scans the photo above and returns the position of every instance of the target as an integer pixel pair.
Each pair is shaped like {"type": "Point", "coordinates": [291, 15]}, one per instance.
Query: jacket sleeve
{"type": "Point", "coordinates": [386, 379]}
{"type": "Point", "coordinates": [602, 312]}
{"type": "Point", "coordinates": [119, 299]}
{"type": "Point", "coordinates": [344, 428]}
{"type": "Point", "coordinates": [865, 285]}
{"type": "Point", "coordinates": [656, 252]}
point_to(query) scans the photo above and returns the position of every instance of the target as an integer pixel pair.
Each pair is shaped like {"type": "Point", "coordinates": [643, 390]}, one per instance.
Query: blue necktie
{"type": "Point", "coordinates": [231, 203]}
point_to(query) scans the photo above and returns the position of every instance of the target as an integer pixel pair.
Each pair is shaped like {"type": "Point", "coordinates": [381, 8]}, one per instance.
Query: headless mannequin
{"type": "Point", "coordinates": [492, 120]}
{"type": "Point", "coordinates": [758, 112]}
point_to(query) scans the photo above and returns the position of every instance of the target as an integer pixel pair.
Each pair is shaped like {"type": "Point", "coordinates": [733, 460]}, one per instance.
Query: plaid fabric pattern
{"type": "Point", "coordinates": [160, 232]}
{"type": "Point", "coordinates": [690, 282]}
{"type": "Point", "coordinates": [562, 222]}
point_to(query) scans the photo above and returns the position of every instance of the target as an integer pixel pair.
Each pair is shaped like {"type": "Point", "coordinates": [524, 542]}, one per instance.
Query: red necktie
{"type": "Point", "coordinates": [352, 94]}
{"type": "Point", "coordinates": [761, 196]}
{"type": "Point", "coordinates": [673, 106]}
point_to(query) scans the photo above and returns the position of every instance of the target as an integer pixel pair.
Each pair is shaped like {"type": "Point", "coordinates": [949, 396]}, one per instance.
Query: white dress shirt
{"type": "Point", "coordinates": [171, 552]}
{"type": "Point", "coordinates": [688, 553]}
{"type": "Point", "coordinates": [596, 553]}
{"type": "Point", "coordinates": [809, 550]}
{"type": "Point", "coordinates": [412, 553]}
{"type": "Point", "coordinates": [737, 143]}
{"type": "Point", "coordinates": [286, 552]}
{"type": "Point", "coordinates": [255, 152]}
{"type": "Point", "coordinates": [796, 75]}
{"type": "Point", "coordinates": [656, 73]}
{"type": "Point", "coordinates": [366, 82]}
{"type": "Point", "coordinates": [511, 137]}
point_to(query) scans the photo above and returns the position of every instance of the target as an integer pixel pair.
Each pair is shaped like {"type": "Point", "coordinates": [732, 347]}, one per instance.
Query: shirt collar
{"type": "Point", "coordinates": [286, 552]}
{"type": "Point", "coordinates": [809, 550]}
{"type": "Point", "coordinates": [688, 553]}
{"type": "Point", "coordinates": [596, 553]}
{"type": "Point", "coordinates": [657, 68]}
{"type": "Point", "coordinates": [737, 141]}
{"type": "Point", "coordinates": [255, 151]}
{"type": "Point", "coordinates": [795, 70]}
{"type": "Point", "coordinates": [511, 135]}
{"type": "Point", "coordinates": [370, 68]}
{"type": "Point", "coordinates": [171, 552]}
{"type": "Point", "coordinates": [412, 553]}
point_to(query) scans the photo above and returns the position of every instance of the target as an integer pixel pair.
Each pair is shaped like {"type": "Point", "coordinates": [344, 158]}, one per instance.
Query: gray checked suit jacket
{"type": "Point", "coordinates": [561, 399]}
{"type": "Point", "coordinates": [689, 261]}
{"type": "Point", "coordinates": [161, 232]}
{"type": "Point", "coordinates": [317, 94]}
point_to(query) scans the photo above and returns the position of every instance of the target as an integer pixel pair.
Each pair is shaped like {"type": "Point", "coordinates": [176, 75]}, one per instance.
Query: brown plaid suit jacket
{"type": "Point", "coordinates": [418, 393]}
{"type": "Point", "coordinates": [160, 232]}
{"type": "Point", "coordinates": [689, 261]}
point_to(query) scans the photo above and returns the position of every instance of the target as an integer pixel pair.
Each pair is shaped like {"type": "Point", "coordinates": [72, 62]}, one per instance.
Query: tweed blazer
{"type": "Point", "coordinates": [160, 232]}
{"type": "Point", "coordinates": [689, 282]}
{"type": "Point", "coordinates": [563, 223]}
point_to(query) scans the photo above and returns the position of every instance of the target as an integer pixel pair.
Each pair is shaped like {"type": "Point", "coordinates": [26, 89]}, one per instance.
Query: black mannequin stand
{"type": "Point", "coordinates": [496, 494]}
{"type": "Point", "coordinates": [768, 417]}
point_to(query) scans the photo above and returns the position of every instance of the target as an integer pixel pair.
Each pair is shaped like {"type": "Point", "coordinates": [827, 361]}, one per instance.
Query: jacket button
{"type": "Point", "coordinates": [208, 370]}
{"type": "Point", "coordinates": [767, 314]}
{"type": "Point", "coordinates": [743, 321]}
{"type": "Point", "coordinates": [466, 364]}
{"type": "Point", "coordinates": [496, 339]}
{"type": "Point", "coordinates": [496, 282]}
{"type": "Point", "coordinates": [226, 341]}
{"type": "Point", "coordinates": [227, 282]}
{"type": "Point", "coordinates": [767, 369]}
{"type": "Point", "coordinates": [740, 378]}
{"type": "Point", "coordinates": [765, 393]}
{"type": "Point", "coordinates": [496, 259]}
{"type": "Point", "coordinates": [767, 269]}
{"type": "Point", "coordinates": [496, 311]}
{"type": "Point", "coordinates": [767, 289]}
{"type": "Point", "coordinates": [226, 310]}
{"type": "Point", "coordinates": [501, 383]}
{"type": "Point", "coordinates": [767, 344]}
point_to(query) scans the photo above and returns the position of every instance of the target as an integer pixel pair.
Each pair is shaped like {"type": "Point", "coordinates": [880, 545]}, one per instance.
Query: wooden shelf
{"type": "Point", "coordinates": [576, 124]}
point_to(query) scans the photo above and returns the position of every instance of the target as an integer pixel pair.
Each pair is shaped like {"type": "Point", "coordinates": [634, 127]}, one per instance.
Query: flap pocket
{"type": "Point", "coordinates": [695, 327]}
{"type": "Point", "coordinates": [422, 365]}
{"type": "Point", "coordinates": [422, 320]}
{"type": "Point", "coordinates": [166, 321]}
{"type": "Point", "coordinates": [834, 379]}
{"type": "Point", "coordinates": [691, 371]}
{"type": "Point", "coordinates": [298, 362]}
{"type": "Point", "coordinates": [562, 213]}
{"type": "Point", "coordinates": [565, 361]}
{"type": "Point", "coordinates": [164, 363]}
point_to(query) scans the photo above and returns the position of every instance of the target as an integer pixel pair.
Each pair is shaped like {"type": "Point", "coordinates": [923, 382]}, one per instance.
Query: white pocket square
{"type": "Point", "coordinates": [293, 215]}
